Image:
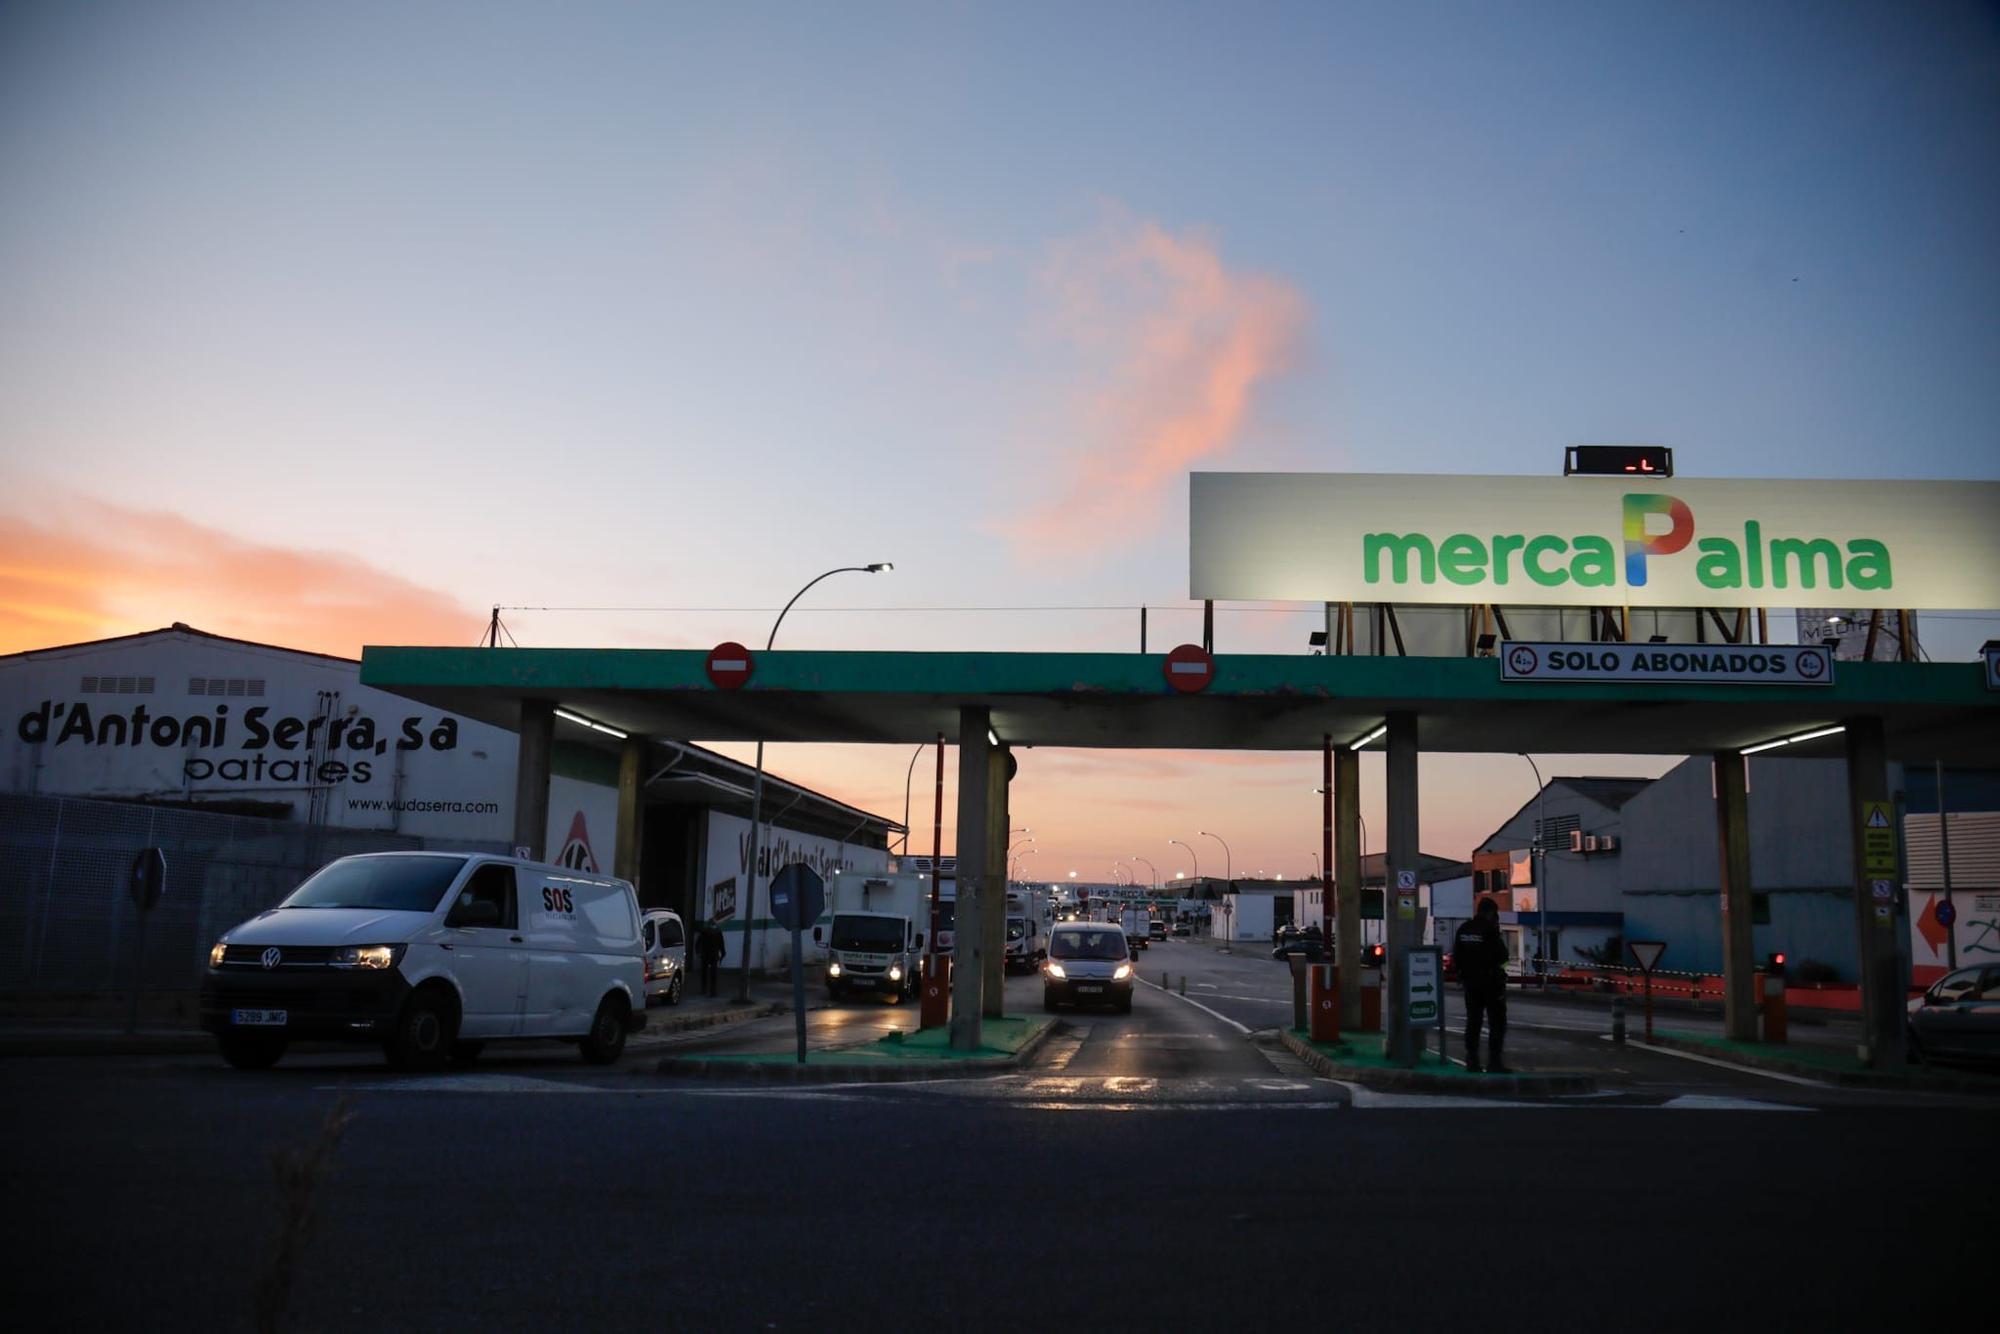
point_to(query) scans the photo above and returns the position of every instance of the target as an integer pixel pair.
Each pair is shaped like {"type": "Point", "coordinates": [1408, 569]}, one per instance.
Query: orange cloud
{"type": "Point", "coordinates": [84, 569]}
{"type": "Point", "coordinates": [1179, 343]}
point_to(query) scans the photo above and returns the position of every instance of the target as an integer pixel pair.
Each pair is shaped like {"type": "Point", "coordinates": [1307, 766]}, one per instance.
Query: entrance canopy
{"type": "Point", "coordinates": [1930, 711]}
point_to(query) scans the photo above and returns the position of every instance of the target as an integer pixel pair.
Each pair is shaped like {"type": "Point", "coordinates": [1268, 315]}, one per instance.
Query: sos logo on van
{"type": "Point", "coordinates": [556, 899]}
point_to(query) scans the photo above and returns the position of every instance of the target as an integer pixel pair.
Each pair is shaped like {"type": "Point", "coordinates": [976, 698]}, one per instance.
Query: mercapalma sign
{"type": "Point", "coordinates": [1588, 541]}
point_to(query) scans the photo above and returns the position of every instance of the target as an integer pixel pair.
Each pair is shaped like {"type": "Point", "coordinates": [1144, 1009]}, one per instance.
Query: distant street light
{"type": "Point", "coordinates": [1228, 862]}
{"type": "Point", "coordinates": [1191, 855]}
{"type": "Point", "coordinates": [1154, 871]}
{"type": "Point", "coordinates": [757, 786]}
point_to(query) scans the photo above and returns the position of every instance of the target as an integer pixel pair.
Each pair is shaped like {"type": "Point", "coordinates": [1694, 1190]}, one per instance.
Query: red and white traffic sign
{"type": "Point", "coordinates": [1647, 952]}
{"type": "Point", "coordinates": [729, 665]}
{"type": "Point", "coordinates": [1189, 669]}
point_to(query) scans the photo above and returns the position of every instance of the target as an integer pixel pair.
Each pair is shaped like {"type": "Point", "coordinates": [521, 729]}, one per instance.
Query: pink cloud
{"type": "Point", "coordinates": [1177, 344]}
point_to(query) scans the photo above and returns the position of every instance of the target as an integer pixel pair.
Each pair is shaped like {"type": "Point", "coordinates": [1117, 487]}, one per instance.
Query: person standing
{"type": "Point", "coordinates": [708, 949]}
{"type": "Point", "coordinates": [1480, 954]}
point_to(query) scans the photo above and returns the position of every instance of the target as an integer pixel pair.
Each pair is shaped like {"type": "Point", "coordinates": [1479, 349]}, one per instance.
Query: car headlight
{"type": "Point", "coordinates": [215, 955]}
{"type": "Point", "coordinates": [1121, 972]}
{"type": "Point", "coordinates": [370, 957]}
{"type": "Point", "coordinates": [833, 969]}
{"type": "Point", "coordinates": [1056, 969]}
{"type": "Point", "coordinates": [895, 972]}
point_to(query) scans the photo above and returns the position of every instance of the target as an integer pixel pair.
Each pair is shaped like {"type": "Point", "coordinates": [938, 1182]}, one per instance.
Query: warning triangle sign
{"type": "Point", "coordinates": [1878, 818]}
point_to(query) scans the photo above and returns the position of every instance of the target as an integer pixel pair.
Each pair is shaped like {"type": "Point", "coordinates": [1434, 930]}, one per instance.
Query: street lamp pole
{"type": "Point", "coordinates": [1228, 861]}
{"type": "Point", "coordinates": [907, 776]}
{"type": "Point", "coordinates": [757, 788]}
{"type": "Point", "coordinates": [1191, 857]}
{"type": "Point", "coordinates": [1541, 865]}
{"type": "Point", "coordinates": [1151, 870]}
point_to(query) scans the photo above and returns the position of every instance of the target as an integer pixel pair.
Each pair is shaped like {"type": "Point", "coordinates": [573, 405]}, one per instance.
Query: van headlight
{"type": "Point", "coordinates": [370, 957]}
{"type": "Point", "coordinates": [833, 969]}
{"type": "Point", "coordinates": [1056, 969]}
{"type": "Point", "coordinates": [895, 972]}
{"type": "Point", "coordinates": [215, 955]}
{"type": "Point", "coordinates": [1121, 972]}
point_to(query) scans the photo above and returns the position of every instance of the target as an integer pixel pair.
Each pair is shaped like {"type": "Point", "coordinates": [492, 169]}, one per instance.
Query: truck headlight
{"type": "Point", "coordinates": [833, 969]}
{"type": "Point", "coordinates": [215, 955]}
{"type": "Point", "coordinates": [1056, 969]}
{"type": "Point", "coordinates": [895, 972]}
{"type": "Point", "coordinates": [1121, 972]}
{"type": "Point", "coordinates": [370, 957]}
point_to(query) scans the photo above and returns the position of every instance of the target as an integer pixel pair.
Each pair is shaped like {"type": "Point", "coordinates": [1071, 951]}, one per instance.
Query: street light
{"type": "Point", "coordinates": [1228, 861]}
{"type": "Point", "coordinates": [1022, 830]}
{"type": "Point", "coordinates": [1191, 855]}
{"type": "Point", "coordinates": [757, 787]}
{"type": "Point", "coordinates": [909, 774]}
{"type": "Point", "coordinates": [1541, 851]}
{"type": "Point", "coordinates": [1151, 869]}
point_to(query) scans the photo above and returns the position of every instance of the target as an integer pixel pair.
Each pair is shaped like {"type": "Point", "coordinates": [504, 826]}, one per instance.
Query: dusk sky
{"type": "Point", "coordinates": [331, 325]}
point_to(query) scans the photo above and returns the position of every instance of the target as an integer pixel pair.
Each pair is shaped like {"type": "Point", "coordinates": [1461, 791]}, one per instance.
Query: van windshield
{"type": "Point", "coordinates": [1087, 945]}
{"type": "Point", "coordinates": [398, 884]}
{"type": "Point", "coordinates": [881, 935]}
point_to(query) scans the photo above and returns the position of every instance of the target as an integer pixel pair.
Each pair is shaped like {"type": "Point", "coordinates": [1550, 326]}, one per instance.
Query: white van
{"type": "Point", "coordinates": [664, 940]}
{"type": "Point", "coordinates": [431, 954]}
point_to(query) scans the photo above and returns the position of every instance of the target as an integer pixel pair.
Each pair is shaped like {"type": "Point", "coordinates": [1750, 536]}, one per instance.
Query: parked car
{"type": "Point", "coordinates": [1183, 929]}
{"type": "Point", "coordinates": [1959, 1017]}
{"type": "Point", "coordinates": [431, 954]}
{"type": "Point", "coordinates": [664, 939]}
{"type": "Point", "coordinates": [1291, 940]}
{"type": "Point", "coordinates": [1089, 964]}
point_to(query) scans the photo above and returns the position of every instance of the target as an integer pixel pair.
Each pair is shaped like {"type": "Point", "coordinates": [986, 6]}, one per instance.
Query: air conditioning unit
{"type": "Point", "coordinates": [1590, 842]}
{"type": "Point", "coordinates": [1576, 840]}
{"type": "Point", "coordinates": [1609, 843]}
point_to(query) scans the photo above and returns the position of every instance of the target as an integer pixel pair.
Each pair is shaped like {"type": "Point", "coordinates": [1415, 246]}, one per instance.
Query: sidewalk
{"type": "Point", "coordinates": [168, 1025]}
{"type": "Point", "coordinates": [770, 1052]}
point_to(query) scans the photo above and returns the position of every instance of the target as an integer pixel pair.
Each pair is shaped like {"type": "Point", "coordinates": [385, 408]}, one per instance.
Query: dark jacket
{"type": "Point", "coordinates": [1480, 955]}
{"type": "Point", "coordinates": [708, 945]}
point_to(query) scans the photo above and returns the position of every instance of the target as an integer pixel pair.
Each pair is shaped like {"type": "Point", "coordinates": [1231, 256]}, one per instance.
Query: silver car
{"type": "Point", "coordinates": [1959, 1017]}
{"type": "Point", "coordinates": [665, 943]}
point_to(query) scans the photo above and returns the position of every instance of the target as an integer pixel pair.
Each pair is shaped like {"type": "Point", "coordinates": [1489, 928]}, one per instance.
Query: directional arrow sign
{"type": "Point", "coordinates": [1647, 952]}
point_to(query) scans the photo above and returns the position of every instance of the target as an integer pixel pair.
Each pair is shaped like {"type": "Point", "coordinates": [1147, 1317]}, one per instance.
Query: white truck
{"type": "Point", "coordinates": [1136, 918]}
{"type": "Point", "coordinates": [876, 937]}
{"type": "Point", "coordinates": [1029, 916]}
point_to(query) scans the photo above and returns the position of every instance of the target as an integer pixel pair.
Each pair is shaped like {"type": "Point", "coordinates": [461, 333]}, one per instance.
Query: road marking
{"type": "Point", "coordinates": [1778, 1075]}
{"type": "Point", "coordinates": [1710, 1102]}
{"type": "Point", "coordinates": [1241, 1028]}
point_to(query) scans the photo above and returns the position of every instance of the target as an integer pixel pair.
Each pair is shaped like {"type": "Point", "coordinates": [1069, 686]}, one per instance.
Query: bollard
{"type": "Point", "coordinates": [1165, 978]}
{"type": "Point", "coordinates": [1771, 1006]}
{"type": "Point", "coordinates": [1618, 1019]}
{"type": "Point", "coordinates": [1183, 984]}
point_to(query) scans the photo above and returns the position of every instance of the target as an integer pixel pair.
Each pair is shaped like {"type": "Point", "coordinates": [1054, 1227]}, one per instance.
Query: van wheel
{"type": "Point", "coordinates": [424, 1033]}
{"type": "Point", "coordinates": [465, 1053]}
{"type": "Point", "coordinates": [674, 989]}
{"type": "Point", "coordinates": [251, 1051]}
{"type": "Point", "coordinates": [606, 1040]}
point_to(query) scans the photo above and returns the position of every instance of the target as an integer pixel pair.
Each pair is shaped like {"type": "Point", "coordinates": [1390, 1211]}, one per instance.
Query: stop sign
{"type": "Point", "coordinates": [729, 665]}
{"type": "Point", "coordinates": [1189, 668]}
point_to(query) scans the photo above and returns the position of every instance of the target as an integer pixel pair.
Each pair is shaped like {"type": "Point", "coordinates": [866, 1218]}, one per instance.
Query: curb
{"type": "Point", "coordinates": [777, 1072]}
{"type": "Point", "coordinates": [88, 1042]}
{"type": "Point", "coordinates": [1919, 1080]}
{"type": "Point", "coordinates": [1418, 1081]}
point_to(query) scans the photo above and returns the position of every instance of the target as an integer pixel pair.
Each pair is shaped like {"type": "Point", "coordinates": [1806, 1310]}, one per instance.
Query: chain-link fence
{"type": "Point", "coordinates": [67, 922]}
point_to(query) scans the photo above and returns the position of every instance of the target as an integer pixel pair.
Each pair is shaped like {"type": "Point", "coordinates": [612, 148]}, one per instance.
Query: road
{"type": "Point", "coordinates": [1158, 1170]}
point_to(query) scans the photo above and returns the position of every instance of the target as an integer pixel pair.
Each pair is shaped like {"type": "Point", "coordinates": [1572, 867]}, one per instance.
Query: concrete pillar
{"type": "Point", "coordinates": [1405, 855]}
{"type": "Point", "coordinates": [993, 913]}
{"type": "Point", "coordinates": [968, 951]}
{"type": "Point", "coordinates": [1875, 920]}
{"type": "Point", "coordinates": [1347, 880]}
{"type": "Point", "coordinates": [1732, 823]}
{"type": "Point", "coordinates": [631, 810]}
{"type": "Point", "coordinates": [531, 777]}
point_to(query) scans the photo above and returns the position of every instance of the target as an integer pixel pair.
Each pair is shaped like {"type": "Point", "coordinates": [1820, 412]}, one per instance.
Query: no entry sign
{"type": "Point", "coordinates": [1189, 669]}
{"type": "Point", "coordinates": [729, 665]}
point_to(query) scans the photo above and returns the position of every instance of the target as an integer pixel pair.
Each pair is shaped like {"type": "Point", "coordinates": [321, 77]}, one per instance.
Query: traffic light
{"type": "Point", "coordinates": [1618, 461]}
{"type": "Point", "coordinates": [1373, 956]}
{"type": "Point", "coordinates": [1775, 965]}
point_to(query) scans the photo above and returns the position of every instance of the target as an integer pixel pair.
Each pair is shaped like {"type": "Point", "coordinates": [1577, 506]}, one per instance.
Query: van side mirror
{"type": "Point", "coordinates": [479, 912]}
{"type": "Point", "coordinates": [920, 940]}
{"type": "Point", "coordinates": [816, 935]}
